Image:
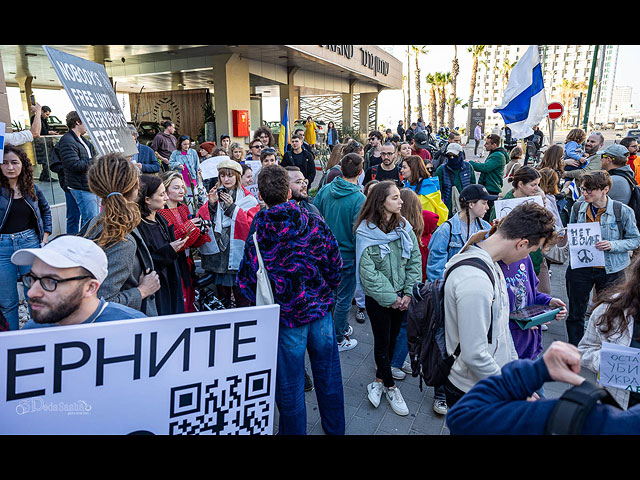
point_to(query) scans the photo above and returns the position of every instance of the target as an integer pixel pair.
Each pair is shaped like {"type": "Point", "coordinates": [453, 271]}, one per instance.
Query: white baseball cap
{"type": "Point", "coordinates": [454, 148]}
{"type": "Point", "coordinates": [67, 251]}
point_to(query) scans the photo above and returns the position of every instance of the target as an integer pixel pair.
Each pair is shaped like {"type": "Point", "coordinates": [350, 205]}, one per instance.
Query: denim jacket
{"type": "Point", "coordinates": [441, 249]}
{"type": "Point", "coordinates": [40, 208]}
{"type": "Point", "coordinates": [618, 258]}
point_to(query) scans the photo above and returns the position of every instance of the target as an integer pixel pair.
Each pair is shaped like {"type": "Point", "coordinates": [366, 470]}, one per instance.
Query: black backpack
{"type": "Point", "coordinates": [573, 408]}
{"type": "Point", "coordinates": [425, 328]}
{"type": "Point", "coordinates": [634, 201]}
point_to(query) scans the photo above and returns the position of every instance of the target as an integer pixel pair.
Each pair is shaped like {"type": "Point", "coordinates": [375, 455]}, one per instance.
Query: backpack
{"type": "Point", "coordinates": [55, 162]}
{"type": "Point", "coordinates": [573, 408]}
{"type": "Point", "coordinates": [425, 328]}
{"type": "Point", "coordinates": [634, 201]}
{"type": "Point", "coordinates": [617, 212]}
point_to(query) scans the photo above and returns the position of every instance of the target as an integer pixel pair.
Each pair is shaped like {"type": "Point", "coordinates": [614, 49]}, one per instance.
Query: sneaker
{"type": "Point", "coordinates": [406, 368]}
{"type": "Point", "coordinates": [396, 401]}
{"type": "Point", "coordinates": [349, 331]}
{"type": "Point", "coordinates": [360, 315]}
{"type": "Point", "coordinates": [347, 344]}
{"type": "Point", "coordinates": [397, 373]}
{"type": "Point", "coordinates": [440, 406]}
{"type": "Point", "coordinates": [375, 390]}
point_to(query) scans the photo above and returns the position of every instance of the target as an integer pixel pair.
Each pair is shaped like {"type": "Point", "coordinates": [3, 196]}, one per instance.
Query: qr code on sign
{"type": "Point", "coordinates": [235, 405]}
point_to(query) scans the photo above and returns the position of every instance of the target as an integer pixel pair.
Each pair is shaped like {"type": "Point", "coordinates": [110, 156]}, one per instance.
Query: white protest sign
{"type": "Point", "coordinates": [503, 207]}
{"type": "Point", "coordinates": [620, 367]}
{"type": "Point", "coordinates": [209, 167]}
{"type": "Point", "coordinates": [2, 132]}
{"type": "Point", "coordinates": [256, 166]}
{"type": "Point", "coordinates": [582, 240]}
{"type": "Point", "coordinates": [196, 373]}
{"type": "Point", "coordinates": [93, 97]}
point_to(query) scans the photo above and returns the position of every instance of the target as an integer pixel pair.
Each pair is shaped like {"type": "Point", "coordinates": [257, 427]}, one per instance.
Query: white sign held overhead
{"type": "Point", "coordinates": [196, 373]}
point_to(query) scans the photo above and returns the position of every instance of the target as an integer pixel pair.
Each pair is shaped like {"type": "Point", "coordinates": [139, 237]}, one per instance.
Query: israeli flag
{"type": "Point", "coordinates": [575, 191]}
{"type": "Point", "coordinates": [524, 103]}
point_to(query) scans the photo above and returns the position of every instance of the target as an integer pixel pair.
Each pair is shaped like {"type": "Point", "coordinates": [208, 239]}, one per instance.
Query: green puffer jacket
{"type": "Point", "coordinates": [381, 278]}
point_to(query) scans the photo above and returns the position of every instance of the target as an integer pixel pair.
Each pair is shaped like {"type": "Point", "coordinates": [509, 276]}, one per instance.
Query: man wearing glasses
{"type": "Point", "coordinates": [63, 284]}
{"type": "Point", "coordinates": [620, 236]}
{"type": "Point", "coordinates": [387, 170]}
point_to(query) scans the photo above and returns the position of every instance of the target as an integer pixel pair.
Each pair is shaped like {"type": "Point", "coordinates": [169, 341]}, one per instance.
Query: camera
{"type": "Point", "coordinates": [222, 189]}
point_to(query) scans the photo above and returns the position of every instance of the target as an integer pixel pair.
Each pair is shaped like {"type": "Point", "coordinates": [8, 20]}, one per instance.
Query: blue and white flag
{"type": "Point", "coordinates": [524, 103]}
{"type": "Point", "coordinates": [575, 191]}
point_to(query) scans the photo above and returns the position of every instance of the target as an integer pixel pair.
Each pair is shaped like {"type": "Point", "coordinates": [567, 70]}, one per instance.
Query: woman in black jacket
{"type": "Point", "coordinates": [162, 244]}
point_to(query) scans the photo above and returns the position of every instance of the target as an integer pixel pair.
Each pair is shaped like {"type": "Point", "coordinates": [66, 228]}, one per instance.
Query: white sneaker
{"type": "Point", "coordinates": [440, 406]}
{"type": "Point", "coordinates": [349, 331]}
{"type": "Point", "coordinates": [347, 344]}
{"type": "Point", "coordinates": [375, 390]}
{"type": "Point", "coordinates": [406, 368]}
{"type": "Point", "coordinates": [397, 373]}
{"type": "Point", "coordinates": [396, 401]}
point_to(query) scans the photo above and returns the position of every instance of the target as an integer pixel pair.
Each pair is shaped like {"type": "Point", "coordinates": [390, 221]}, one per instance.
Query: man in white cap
{"type": "Point", "coordinates": [63, 284]}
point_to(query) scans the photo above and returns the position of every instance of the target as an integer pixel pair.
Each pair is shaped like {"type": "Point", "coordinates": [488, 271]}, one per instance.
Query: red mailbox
{"type": "Point", "coordinates": [240, 123]}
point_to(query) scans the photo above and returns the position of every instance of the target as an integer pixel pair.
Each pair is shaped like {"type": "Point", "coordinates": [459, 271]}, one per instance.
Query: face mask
{"type": "Point", "coordinates": [455, 163]}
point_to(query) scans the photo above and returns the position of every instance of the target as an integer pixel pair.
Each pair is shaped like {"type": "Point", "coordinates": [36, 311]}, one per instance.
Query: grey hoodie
{"type": "Point", "coordinates": [620, 187]}
{"type": "Point", "coordinates": [468, 301]}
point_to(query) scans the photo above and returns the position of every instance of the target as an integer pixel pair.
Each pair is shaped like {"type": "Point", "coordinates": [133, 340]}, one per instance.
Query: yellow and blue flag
{"type": "Point", "coordinates": [285, 134]}
{"type": "Point", "coordinates": [431, 198]}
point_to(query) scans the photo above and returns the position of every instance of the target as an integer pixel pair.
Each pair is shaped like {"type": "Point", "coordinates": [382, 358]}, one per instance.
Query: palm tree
{"type": "Point", "coordinates": [455, 69]}
{"type": "Point", "coordinates": [408, 120]}
{"type": "Point", "coordinates": [442, 79]}
{"type": "Point", "coordinates": [476, 51]}
{"type": "Point", "coordinates": [417, 50]}
{"type": "Point", "coordinates": [505, 70]}
{"type": "Point", "coordinates": [433, 104]}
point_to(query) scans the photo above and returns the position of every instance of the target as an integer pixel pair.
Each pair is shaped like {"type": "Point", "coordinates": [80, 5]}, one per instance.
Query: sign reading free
{"type": "Point", "coordinates": [92, 96]}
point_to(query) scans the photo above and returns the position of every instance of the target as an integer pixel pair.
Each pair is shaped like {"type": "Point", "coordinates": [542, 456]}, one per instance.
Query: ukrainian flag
{"type": "Point", "coordinates": [285, 134]}
{"type": "Point", "coordinates": [431, 198]}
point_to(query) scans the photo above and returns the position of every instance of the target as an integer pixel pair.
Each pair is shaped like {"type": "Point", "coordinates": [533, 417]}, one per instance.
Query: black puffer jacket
{"type": "Point", "coordinates": [75, 160]}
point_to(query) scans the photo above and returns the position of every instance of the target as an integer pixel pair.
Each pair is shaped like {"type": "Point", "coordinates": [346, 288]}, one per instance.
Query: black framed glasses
{"type": "Point", "coordinates": [589, 190]}
{"type": "Point", "coordinates": [48, 284]}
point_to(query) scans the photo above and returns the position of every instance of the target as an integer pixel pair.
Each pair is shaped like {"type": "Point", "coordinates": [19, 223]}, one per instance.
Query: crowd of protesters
{"type": "Point", "coordinates": [387, 216]}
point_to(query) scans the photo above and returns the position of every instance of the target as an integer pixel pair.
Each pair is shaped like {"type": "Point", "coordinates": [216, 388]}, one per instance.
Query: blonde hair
{"type": "Point", "coordinates": [112, 178]}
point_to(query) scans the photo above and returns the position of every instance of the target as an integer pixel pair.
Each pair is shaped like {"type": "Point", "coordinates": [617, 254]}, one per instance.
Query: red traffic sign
{"type": "Point", "coordinates": [555, 110]}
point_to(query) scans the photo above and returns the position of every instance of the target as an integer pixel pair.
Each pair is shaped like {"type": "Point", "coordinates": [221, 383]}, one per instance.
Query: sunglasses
{"type": "Point", "coordinates": [257, 146]}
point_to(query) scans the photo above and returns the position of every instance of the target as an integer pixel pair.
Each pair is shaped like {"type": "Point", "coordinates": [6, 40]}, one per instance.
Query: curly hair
{"type": "Point", "coordinates": [112, 178]}
{"type": "Point", "coordinates": [576, 135]}
{"type": "Point", "coordinates": [25, 179]}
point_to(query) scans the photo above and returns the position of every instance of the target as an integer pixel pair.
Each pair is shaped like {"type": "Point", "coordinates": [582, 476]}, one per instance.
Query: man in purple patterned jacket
{"type": "Point", "coordinates": [304, 265]}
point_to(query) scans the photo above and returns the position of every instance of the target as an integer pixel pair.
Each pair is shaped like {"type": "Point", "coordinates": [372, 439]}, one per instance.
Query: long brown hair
{"type": "Point", "coordinates": [552, 158]}
{"type": "Point", "coordinates": [372, 210]}
{"type": "Point", "coordinates": [623, 302]}
{"type": "Point", "coordinates": [418, 169]}
{"type": "Point", "coordinates": [412, 211]}
{"type": "Point", "coordinates": [549, 181]}
{"type": "Point", "coordinates": [336, 156]}
{"type": "Point", "coordinates": [25, 180]}
{"type": "Point", "coordinates": [114, 174]}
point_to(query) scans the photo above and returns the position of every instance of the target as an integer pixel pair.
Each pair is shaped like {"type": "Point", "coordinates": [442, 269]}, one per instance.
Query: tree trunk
{"type": "Point", "coordinates": [455, 68]}
{"type": "Point", "coordinates": [408, 89]}
{"type": "Point", "coordinates": [472, 87]}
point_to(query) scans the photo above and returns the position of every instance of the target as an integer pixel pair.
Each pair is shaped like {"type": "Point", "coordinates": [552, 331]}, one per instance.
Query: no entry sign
{"type": "Point", "coordinates": [555, 110]}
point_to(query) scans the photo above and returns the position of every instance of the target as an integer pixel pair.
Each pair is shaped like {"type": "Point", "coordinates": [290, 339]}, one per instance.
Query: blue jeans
{"type": "Point", "coordinates": [344, 295]}
{"type": "Point", "coordinates": [88, 204]}
{"type": "Point", "coordinates": [73, 214]}
{"type": "Point", "coordinates": [9, 272]}
{"type": "Point", "coordinates": [402, 348]}
{"type": "Point", "coordinates": [318, 338]}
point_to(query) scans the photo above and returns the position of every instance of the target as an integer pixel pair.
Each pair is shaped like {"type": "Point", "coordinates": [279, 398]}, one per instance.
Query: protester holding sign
{"type": "Point", "coordinates": [620, 237]}
{"type": "Point", "coordinates": [64, 281]}
{"type": "Point", "coordinates": [230, 209]}
{"type": "Point", "coordinates": [613, 320]}
{"type": "Point", "coordinates": [25, 222]}
{"type": "Point", "coordinates": [132, 279]}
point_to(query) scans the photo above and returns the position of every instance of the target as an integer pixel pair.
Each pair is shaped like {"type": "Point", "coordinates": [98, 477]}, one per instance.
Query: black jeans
{"type": "Point", "coordinates": [579, 283]}
{"type": "Point", "coordinates": [385, 324]}
{"type": "Point", "coordinates": [452, 393]}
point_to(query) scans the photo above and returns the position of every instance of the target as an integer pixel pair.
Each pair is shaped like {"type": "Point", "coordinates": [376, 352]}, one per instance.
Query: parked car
{"type": "Point", "coordinates": [609, 125]}
{"type": "Point", "coordinates": [634, 133]}
{"type": "Point", "coordinates": [148, 130]}
{"type": "Point", "coordinates": [55, 125]}
{"type": "Point", "coordinates": [619, 126]}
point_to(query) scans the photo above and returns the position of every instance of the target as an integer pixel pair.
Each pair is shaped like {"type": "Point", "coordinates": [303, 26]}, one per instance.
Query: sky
{"type": "Point", "coordinates": [390, 108]}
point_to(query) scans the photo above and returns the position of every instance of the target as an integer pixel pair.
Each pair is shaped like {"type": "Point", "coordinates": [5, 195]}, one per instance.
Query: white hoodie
{"type": "Point", "coordinates": [468, 298]}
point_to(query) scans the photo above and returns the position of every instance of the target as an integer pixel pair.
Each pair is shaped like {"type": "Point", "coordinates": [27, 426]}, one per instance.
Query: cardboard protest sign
{"type": "Point", "coordinates": [582, 240]}
{"type": "Point", "coordinates": [503, 207]}
{"type": "Point", "coordinates": [620, 367]}
{"type": "Point", "coordinates": [92, 96]}
{"type": "Point", "coordinates": [196, 373]}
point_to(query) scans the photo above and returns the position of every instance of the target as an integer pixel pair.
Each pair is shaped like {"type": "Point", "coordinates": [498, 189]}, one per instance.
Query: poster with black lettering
{"type": "Point", "coordinates": [198, 373]}
{"type": "Point", "coordinates": [582, 245]}
{"type": "Point", "coordinates": [93, 97]}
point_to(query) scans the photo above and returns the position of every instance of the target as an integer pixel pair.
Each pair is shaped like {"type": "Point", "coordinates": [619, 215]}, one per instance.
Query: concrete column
{"type": "Point", "coordinates": [231, 92]}
{"type": "Point", "coordinates": [26, 91]}
{"type": "Point", "coordinates": [365, 101]}
{"type": "Point", "coordinates": [290, 92]}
